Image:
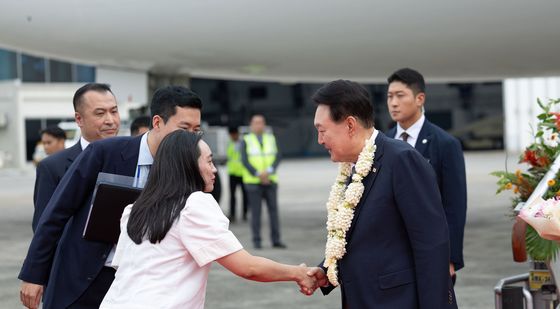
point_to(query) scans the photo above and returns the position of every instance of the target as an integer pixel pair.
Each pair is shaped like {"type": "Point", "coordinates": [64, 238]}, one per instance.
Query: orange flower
{"type": "Point", "coordinates": [551, 182]}
{"type": "Point", "coordinates": [516, 190]}
{"type": "Point", "coordinates": [508, 186]}
{"type": "Point", "coordinates": [518, 173]}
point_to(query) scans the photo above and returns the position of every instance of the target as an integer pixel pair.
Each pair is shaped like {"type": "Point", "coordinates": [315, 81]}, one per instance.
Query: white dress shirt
{"type": "Point", "coordinates": [412, 132]}
{"type": "Point", "coordinates": [172, 273]}
{"type": "Point", "coordinates": [83, 143]}
{"type": "Point", "coordinates": [145, 160]}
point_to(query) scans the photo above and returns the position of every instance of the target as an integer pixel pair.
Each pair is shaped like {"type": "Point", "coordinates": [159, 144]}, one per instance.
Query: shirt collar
{"type": "Point", "coordinates": [414, 130]}
{"type": "Point", "coordinates": [374, 135]}
{"type": "Point", "coordinates": [83, 143]}
{"type": "Point", "coordinates": [144, 154]}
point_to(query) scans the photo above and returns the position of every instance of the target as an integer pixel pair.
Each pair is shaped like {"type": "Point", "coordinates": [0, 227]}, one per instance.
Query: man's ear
{"type": "Point", "coordinates": [420, 99]}
{"type": "Point", "coordinates": [351, 123]}
{"type": "Point", "coordinates": [157, 121]}
{"type": "Point", "coordinates": [79, 119]}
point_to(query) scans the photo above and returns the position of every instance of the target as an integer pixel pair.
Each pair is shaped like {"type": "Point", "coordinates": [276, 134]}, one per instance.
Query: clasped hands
{"type": "Point", "coordinates": [264, 178]}
{"type": "Point", "coordinates": [311, 278]}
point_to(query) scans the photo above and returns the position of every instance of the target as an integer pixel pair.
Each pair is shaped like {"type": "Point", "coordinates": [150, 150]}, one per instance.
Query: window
{"type": "Point", "coordinates": [85, 73]}
{"type": "Point", "coordinates": [60, 71]}
{"type": "Point", "coordinates": [33, 68]}
{"type": "Point", "coordinates": [8, 65]}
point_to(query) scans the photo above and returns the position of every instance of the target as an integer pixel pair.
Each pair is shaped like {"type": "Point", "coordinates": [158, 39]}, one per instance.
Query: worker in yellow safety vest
{"type": "Point", "coordinates": [260, 157]}
{"type": "Point", "coordinates": [235, 171]}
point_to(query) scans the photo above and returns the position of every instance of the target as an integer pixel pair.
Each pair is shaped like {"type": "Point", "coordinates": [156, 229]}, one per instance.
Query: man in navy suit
{"type": "Point", "coordinates": [405, 100]}
{"type": "Point", "coordinates": [76, 274]}
{"type": "Point", "coordinates": [397, 246]}
{"type": "Point", "coordinates": [97, 116]}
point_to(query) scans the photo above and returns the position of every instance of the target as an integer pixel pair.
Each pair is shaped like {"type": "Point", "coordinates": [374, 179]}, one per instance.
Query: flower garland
{"type": "Point", "coordinates": [341, 204]}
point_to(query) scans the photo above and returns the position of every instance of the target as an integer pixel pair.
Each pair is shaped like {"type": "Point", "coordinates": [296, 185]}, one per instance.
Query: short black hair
{"type": "Point", "coordinates": [233, 129]}
{"type": "Point", "coordinates": [139, 122]}
{"type": "Point", "coordinates": [411, 78]}
{"type": "Point", "coordinates": [79, 94]}
{"type": "Point", "coordinates": [55, 132]}
{"type": "Point", "coordinates": [346, 98]}
{"type": "Point", "coordinates": [167, 98]}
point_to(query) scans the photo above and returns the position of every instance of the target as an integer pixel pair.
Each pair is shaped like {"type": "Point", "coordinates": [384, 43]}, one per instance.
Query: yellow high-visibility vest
{"type": "Point", "coordinates": [234, 164]}
{"type": "Point", "coordinates": [260, 157]}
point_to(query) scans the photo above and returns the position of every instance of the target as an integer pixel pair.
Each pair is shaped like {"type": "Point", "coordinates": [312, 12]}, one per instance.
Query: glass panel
{"type": "Point", "coordinates": [33, 68]}
{"type": "Point", "coordinates": [8, 64]}
{"type": "Point", "coordinates": [60, 71]}
{"type": "Point", "coordinates": [85, 73]}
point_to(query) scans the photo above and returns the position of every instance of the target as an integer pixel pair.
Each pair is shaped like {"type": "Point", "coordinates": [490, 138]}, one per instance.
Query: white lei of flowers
{"type": "Point", "coordinates": [341, 204]}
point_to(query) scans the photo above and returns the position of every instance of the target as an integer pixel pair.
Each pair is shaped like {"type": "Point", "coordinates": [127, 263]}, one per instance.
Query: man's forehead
{"type": "Point", "coordinates": [192, 122]}
{"type": "Point", "coordinates": [397, 86]}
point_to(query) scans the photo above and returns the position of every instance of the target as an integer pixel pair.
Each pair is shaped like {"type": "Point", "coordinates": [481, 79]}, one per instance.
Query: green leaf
{"type": "Point", "coordinates": [541, 105]}
{"type": "Point", "coordinates": [539, 249]}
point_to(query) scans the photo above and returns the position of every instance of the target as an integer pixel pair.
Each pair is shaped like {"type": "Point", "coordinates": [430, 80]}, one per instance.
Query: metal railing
{"type": "Point", "coordinates": [513, 280]}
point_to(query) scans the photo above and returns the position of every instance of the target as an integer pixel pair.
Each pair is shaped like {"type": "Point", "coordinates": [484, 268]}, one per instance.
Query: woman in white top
{"type": "Point", "coordinates": [175, 231]}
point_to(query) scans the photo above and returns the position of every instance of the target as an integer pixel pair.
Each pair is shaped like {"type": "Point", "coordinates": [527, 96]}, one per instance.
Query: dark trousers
{"type": "Point", "coordinates": [255, 195]}
{"type": "Point", "coordinates": [234, 182]}
{"type": "Point", "coordinates": [94, 294]}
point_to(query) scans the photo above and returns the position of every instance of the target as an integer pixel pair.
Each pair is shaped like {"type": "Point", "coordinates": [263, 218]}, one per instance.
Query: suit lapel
{"type": "Point", "coordinates": [424, 139]}
{"type": "Point", "coordinates": [71, 154]}
{"type": "Point", "coordinates": [129, 156]}
{"type": "Point", "coordinates": [391, 133]}
{"type": "Point", "coordinates": [369, 180]}
{"type": "Point", "coordinates": [74, 152]}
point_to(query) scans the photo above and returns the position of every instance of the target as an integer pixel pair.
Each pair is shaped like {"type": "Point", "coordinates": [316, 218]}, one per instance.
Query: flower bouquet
{"type": "Point", "coordinates": [539, 157]}
{"type": "Point", "coordinates": [544, 217]}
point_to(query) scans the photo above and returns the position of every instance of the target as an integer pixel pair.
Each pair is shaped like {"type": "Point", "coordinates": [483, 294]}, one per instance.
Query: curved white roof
{"type": "Point", "coordinates": [294, 40]}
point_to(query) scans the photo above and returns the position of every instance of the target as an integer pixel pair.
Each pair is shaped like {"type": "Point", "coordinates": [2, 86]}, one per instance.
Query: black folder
{"type": "Point", "coordinates": [111, 195]}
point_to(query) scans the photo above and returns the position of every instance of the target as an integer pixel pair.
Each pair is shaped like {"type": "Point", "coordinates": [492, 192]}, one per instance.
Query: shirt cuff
{"type": "Point", "coordinates": [226, 245]}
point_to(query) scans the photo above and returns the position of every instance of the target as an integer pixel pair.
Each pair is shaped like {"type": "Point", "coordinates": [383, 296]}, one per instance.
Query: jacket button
{"type": "Point", "coordinates": [104, 256]}
{"type": "Point", "coordinates": [89, 278]}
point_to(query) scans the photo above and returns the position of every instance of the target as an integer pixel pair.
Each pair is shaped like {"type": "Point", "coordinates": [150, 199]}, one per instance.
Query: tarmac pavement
{"type": "Point", "coordinates": [303, 191]}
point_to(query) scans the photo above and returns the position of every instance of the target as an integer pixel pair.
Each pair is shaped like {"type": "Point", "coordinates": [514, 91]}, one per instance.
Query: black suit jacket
{"type": "Point", "coordinates": [69, 269]}
{"type": "Point", "coordinates": [398, 245]}
{"type": "Point", "coordinates": [48, 174]}
{"type": "Point", "coordinates": [445, 155]}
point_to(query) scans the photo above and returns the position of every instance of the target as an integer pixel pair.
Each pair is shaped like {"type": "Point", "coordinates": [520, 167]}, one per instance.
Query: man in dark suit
{"type": "Point", "coordinates": [405, 100]}
{"type": "Point", "coordinates": [396, 250]}
{"type": "Point", "coordinates": [97, 116]}
{"type": "Point", "coordinates": [77, 274]}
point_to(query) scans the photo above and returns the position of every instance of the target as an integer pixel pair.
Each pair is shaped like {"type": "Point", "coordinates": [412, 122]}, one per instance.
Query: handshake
{"type": "Point", "coordinates": [310, 278]}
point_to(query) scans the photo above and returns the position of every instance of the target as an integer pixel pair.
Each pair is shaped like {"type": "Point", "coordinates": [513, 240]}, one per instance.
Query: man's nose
{"type": "Point", "coordinates": [110, 118]}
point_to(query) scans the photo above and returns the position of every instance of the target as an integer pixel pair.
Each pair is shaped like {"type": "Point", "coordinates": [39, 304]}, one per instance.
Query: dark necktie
{"type": "Point", "coordinates": [404, 136]}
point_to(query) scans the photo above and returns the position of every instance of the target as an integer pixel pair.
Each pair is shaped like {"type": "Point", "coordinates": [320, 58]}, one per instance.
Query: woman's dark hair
{"type": "Point", "coordinates": [346, 98]}
{"type": "Point", "coordinates": [173, 177]}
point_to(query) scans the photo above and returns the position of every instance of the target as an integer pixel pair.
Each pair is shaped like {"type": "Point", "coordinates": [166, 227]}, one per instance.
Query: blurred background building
{"type": "Point", "coordinates": [485, 62]}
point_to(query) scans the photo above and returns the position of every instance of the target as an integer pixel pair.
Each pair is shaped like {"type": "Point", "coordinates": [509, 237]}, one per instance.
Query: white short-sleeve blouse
{"type": "Point", "coordinates": [172, 273]}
